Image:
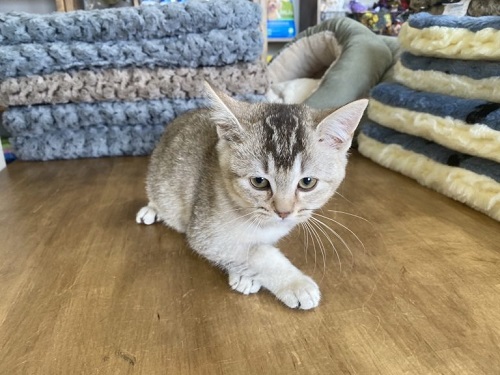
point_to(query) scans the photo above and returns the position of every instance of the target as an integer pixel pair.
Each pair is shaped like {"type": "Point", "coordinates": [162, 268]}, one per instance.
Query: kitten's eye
{"type": "Point", "coordinates": [259, 183]}
{"type": "Point", "coordinates": [307, 183]}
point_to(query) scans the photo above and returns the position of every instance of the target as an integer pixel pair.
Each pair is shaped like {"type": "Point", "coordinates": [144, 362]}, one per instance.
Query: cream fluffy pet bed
{"type": "Point", "coordinates": [468, 179]}
{"type": "Point", "coordinates": [471, 38]}
{"type": "Point", "coordinates": [451, 55]}
{"type": "Point", "coordinates": [475, 79]}
{"type": "Point", "coordinates": [441, 124]}
{"type": "Point", "coordinates": [465, 125]}
{"type": "Point", "coordinates": [331, 64]}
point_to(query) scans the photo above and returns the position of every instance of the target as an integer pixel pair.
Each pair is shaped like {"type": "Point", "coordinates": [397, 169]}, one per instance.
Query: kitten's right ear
{"type": "Point", "coordinates": [228, 126]}
{"type": "Point", "coordinates": [337, 129]}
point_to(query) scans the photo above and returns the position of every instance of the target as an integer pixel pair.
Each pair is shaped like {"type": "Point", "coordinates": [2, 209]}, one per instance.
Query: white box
{"type": "Point", "coordinates": [2, 158]}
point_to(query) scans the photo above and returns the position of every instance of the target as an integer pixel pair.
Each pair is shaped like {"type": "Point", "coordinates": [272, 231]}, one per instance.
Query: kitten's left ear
{"type": "Point", "coordinates": [222, 106]}
{"type": "Point", "coordinates": [337, 129]}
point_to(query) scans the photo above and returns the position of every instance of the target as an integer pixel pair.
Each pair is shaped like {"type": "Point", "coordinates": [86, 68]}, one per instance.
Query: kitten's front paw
{"type": "Point", "coordinates": [243, 284]}
{"type": "Point", "coordinates": [300, 293]}
{"type": "Point", "coordinates": [146, 215]}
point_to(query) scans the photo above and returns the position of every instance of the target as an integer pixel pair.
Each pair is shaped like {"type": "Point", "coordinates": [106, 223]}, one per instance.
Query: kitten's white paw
{"type": "Point", "coordinates": [243, 284]}
{"type": "Point", "coordinates": [300, 293]}
{"type": "Point", "coordinates": [146, 215]}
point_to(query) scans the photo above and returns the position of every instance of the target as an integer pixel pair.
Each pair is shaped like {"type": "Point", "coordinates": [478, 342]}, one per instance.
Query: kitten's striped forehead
{"type": "Point", "coordinates": [284, 135]}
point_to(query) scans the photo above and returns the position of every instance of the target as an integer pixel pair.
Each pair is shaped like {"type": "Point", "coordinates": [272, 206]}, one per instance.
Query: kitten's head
{"type": "Point", "coordinates": [282, 161]}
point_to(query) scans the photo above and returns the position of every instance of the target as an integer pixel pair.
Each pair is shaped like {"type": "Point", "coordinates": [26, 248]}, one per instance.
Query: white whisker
{"type": "Point", "coordinates": [320, 245]}
{"type": "Point", "coordinates": [337, 236]}
{"type": "Point", "coordinates": [313, 221]}
{"type": "Point", "coordinates": [343, 226]}
{"type": "Point", "coordinates": [255, 223]}
{"type": "Point", "coordinates": [306, 228]}
{"type": "Point", "coordinates": [349, 214]}
{"type": "Point", "coordinates": [308, 232]}
{"type": "Point", "coordinates": [238, 217]}
{"type": "Point", "coordinates": [340, 195]}
{"type": "Point", "coordinates": [222, 226]}
{"type": "Point", "coordinates": [301, 228]}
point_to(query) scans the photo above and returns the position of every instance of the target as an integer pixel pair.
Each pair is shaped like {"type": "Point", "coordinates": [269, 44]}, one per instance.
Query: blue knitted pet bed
{"type": "Point", "coordinates": [94, 141]}
{"type": "Point", "coordinates": [213, 48]}
{"type": "Point", "coordinates": [73, 130]}
{"type": "Point", "coordinates": [441, 124]}
{"type": "Point", "coordinates": [122, 24]}
{"type": "Point", "coordinates": [106, 82]}
{"type": "Point", "coordinates": [43, 119]}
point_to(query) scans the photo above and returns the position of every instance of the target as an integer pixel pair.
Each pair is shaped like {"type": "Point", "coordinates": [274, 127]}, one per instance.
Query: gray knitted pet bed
{"type": "Point", "coordinates": [151, 22]}
{"type": "Point", "coordinates": [107, 82]}
{"type": "Point", "coordinates": [213, 48]}
{"type": "Point", "coordinates": [43, 119]}
{"type": "Point", "coordinates": [92, 142]}
{"type": "Point", "coordinates": [74, 130]}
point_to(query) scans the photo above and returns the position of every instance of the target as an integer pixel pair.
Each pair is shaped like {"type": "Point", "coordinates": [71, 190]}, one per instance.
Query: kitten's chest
{"type": "Point", "coordinates": [245, 233]}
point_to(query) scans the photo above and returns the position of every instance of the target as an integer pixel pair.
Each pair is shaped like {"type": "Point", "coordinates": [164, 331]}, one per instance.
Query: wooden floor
{"type": "Point", "coordinates": [85, 290]}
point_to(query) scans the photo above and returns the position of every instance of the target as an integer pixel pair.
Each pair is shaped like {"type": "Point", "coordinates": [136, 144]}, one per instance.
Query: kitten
{"type": "Point", "coordinates": [238, 177]}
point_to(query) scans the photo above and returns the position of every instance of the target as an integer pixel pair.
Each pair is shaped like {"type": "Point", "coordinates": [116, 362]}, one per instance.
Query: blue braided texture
{"type": "Point", "coordinates": [213, 48]}
{"type": "Point", "coordinates": [130, 23]}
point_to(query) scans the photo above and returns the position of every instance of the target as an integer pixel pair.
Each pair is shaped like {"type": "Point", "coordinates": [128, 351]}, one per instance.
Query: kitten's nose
{"type": "Point", "coordinates": [283, 215]}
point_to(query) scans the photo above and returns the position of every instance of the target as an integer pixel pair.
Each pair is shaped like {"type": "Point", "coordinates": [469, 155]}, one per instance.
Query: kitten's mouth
{"type": "Point", "coordinates": [274, 215]}
{"type": "Point", "coordinates": [291, 217]}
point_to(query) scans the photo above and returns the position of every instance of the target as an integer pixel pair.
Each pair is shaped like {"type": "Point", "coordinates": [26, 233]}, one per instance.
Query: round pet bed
{"type": "Point", "coordinates": [331, 64]}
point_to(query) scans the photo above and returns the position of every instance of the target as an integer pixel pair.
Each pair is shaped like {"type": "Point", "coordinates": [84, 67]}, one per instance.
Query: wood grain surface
{"type": "Point", "coordinates": [85, 290]}
{"type": "Point", "coordinates": [61, 5]}
{"type": "Point", "coordinates": [68, 5]}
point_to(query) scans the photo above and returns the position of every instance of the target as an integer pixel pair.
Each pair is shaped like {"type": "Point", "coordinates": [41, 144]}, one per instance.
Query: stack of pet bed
{"type": "Point", "coordinates": [440, 122]}
{"type": "Point", "coordinates": [106, 82]}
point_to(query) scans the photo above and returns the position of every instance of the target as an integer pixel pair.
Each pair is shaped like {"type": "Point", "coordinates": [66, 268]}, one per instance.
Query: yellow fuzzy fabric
{"type": "Point", "coordinates": [442, 83]}
{"type": "Point", "coordinates": [451, 43]}
{"type": "Point", "coordinates": [476, 139]}
{"type": "Point", "coordinates": [477, 191]}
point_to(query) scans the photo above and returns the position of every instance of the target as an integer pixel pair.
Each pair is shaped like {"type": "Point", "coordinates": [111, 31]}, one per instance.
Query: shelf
{"type": "Point", "coordinates": [279, 40]}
